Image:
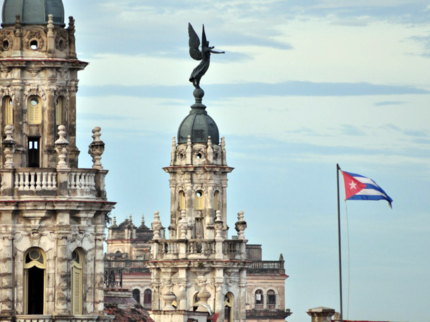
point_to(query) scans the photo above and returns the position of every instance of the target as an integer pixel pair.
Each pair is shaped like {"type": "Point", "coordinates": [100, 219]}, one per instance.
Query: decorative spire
{"type": "Point", "coordinates": [62, 148]}
{"type": "Point", "coordinates": [156, 225]}
{"type": "Point", "coordinates": [224, 152]}
{"type": "Point", "coordinates": [189, 151]}
{"type": "Point", "coordinates": [218, 225]}
{"type": "Point", "coordinates": [51, 37]}
{"type": "Point", "coordinates": [96, 149]}
{"type": "Point", "coordinates": [143, 221]}
{"type": "Point", "coordinates": [173, 152]}
{"type": "Point", "coordinates": [210, 150]}
{"type": "Point", "coordinates": [114, 221]}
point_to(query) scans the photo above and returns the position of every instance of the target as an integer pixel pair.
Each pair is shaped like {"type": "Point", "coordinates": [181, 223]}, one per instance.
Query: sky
{"type": "Point", "coordinates": [303, 85]}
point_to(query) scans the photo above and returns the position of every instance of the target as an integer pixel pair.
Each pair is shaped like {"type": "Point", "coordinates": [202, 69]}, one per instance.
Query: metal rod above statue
{"type": "Point", "coordinates": [204, 55]}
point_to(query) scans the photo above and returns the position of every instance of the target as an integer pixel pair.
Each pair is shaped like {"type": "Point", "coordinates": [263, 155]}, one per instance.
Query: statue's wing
{"type": "Point", "coordinates": [194, 43]}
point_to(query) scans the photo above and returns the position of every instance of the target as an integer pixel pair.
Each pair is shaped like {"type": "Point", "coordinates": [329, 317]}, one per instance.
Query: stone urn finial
{"type": "Point", "coordinates": [96, 148]}
{"type": "Point", "coordinates": [156, 225]}
{"type": "Point", "coordinates": [240, 225]}
{"type": "Point", "coordinates": [62, 148]}
{"type": "Point", "coordinates": [9, 145]}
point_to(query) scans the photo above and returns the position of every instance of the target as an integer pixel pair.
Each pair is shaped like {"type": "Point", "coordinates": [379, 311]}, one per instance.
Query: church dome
{"type": "Point", "coordinates": [33, 12]}
{"type": "Point", "coordinates": [199, 125]}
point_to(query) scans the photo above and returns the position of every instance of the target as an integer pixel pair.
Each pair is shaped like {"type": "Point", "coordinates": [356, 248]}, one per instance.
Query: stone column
{"type": "Point", "coordinates": [62, 279]}
{"type": "Point", "coordinates": [49, 129]}
{"type": "Point", "coordinates": [321, 314]}
{"type": "Point", "coordinates": [224, 208]}
{"type": "Point", "coordinates": [242, 295]}
{"type": "Point", "coordinates": [6, 272]}
{"type": "Point", "coordinates": [99, 265]}
{"type": "Point", "coordinates": [74, 152]}
{"type": "Point", "coordinates": [20, 155]}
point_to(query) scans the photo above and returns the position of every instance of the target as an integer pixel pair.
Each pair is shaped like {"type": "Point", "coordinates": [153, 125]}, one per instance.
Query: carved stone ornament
{"type": "Point", "coordinates": [62, 40]}
{"type": "Point", "coordinates": [6, 38]}
{"type": "Point", "coordinates": [34, 36]}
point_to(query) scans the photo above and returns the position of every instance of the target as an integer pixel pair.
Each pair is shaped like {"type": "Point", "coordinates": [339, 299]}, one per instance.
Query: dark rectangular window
{"type": "Point", "coordinates": [33, 153]}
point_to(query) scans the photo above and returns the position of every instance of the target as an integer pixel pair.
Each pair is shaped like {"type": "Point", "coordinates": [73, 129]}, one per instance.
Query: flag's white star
{"type": "Point", "coordinates": [353, 185]}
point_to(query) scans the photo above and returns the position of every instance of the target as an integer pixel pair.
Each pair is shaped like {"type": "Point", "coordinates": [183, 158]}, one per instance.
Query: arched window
{"type": "Point", "coordinates": [182, 205]}
{"type": "Point", "coordinates": [199, 200]}
{"type": "Point", "coordinates": [34, 110]}
{"type": "Point", "coordinates": [259, 299]}
{"type": "Point", "coordinates": [34, 281]}
{"type": "Point", "coordinates": [136, 295]}
{"type": "Point", "coordinates": [147, 299]}
{"type": "Point", "coordinates": [228, 307]}
{"type": "Point", "coordinates": [271, 300]}
{"type": "Point", "coordinates": [59, 111]}
{"type": "Point", "coordinates": [216, 201]}
{"type": "Point", "coordinates": [7, 111]}
{"type": "Point", "coordinates": [77, 265]}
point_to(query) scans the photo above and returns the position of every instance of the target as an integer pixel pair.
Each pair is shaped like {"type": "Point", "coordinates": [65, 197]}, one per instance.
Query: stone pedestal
{"type": "Point", "coordinates": [321, 314]}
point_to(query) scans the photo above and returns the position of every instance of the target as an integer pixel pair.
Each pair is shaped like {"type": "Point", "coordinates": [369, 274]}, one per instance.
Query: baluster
{"type": "Point", "coordinates": [32, 181]}
{"type": "Point", "coordinates": [26, 181]}
{"type": "Point", "coordinates": [17, 181]}
{"type": "Point", "coordinates": [39, 181]}
{"type": "Point", "coordinates": [87, 181]}
{"type": "Point", "coordinates": [44, 175]}
{"type": "Point", "coordinates": [93, 181]}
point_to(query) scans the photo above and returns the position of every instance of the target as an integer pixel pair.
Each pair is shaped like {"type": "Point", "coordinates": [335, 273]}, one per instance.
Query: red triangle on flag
{"type": "Point", "coordinates": [352, 185]}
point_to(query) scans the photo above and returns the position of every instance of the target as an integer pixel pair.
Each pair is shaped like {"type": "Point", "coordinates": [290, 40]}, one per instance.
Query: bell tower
{"type": "Point", "coordinates": [198, 270]}
{"type": "Point", "coordinates": [39, 80]}
{"type": "Point", "coordinates": [52, 213]}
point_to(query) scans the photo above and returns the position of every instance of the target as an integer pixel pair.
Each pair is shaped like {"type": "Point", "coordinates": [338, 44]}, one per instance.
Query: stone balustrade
{"type": "Point", "coordinates": [50, 318]}
{"type": "Point", "coordinates": [198, 249]}
{"type": "Point", "coordinates": [35, 179]}
{"type": "Point", "coordinates": [28, 182]}
{"type": "Point", "coordinates": [81, 180]}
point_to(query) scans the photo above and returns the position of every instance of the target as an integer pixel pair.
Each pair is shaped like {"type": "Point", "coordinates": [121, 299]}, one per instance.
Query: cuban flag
{"type": "Point", "coordinates": [358, 187]}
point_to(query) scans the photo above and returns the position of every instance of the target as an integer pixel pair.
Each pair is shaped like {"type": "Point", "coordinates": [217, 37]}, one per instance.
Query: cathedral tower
{"type": "Point", "coordinates": [52, 213]}
{"type": "Point", "coordinates": [198, 268]}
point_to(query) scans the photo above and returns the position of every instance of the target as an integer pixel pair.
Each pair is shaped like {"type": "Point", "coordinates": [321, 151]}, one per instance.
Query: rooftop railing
{"type": "Point", "coordinates": [24, 183]}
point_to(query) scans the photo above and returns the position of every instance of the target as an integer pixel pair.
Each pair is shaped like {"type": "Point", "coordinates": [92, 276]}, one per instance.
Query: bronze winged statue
{"type": "Point", "coordinates": [204, 55]}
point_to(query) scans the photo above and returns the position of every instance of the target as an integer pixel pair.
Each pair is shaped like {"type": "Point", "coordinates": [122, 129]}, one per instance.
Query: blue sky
{"type": "Point", "coordinates": [303, 85]}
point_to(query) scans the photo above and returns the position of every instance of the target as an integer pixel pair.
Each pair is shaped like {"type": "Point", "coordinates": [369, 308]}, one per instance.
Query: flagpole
{"type": "Point", "coordinates": [340, 248]}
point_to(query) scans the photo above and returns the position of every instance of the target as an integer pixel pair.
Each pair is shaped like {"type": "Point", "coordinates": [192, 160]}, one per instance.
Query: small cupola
{"type": "Point", "coordinates": [33, 12]}
{"type": "Point", "coordinates": [198, 124]}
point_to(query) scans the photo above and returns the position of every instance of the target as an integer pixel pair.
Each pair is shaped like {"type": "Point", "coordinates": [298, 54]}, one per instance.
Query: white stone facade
{"type": "Point", "coordinates": [52, 213]}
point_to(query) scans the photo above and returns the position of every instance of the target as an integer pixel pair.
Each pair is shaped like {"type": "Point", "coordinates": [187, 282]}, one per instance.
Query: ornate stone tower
{"type": "Point", "coordinates": [52, 214]}
{"type": "Point", "coordinates": [198, 268]}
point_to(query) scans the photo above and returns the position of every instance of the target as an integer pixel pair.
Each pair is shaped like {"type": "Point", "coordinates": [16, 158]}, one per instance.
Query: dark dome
{"type": "Point", "coordinates": [33, 12]}
{"type": "Point", "coordinates": [199, 125]}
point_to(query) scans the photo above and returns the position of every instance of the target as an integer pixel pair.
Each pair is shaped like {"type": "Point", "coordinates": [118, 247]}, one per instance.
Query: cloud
{"type": "Point", "coordinates": [384, 103]}
{"type": "Point", "coordinates": [222, 91]}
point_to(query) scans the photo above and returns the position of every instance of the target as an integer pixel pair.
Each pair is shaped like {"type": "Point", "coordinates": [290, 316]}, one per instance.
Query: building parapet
{"type": "Point", "coordinates": [26, 183]}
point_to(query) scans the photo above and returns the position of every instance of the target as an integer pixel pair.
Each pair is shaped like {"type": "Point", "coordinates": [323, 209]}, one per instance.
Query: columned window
{"type": "Point", "coordinates": [259, 299]}
{"type": "Point", "coordinates": [136, 295]}
{"type": "Point", "coordinates": [7, 111]}
{"type": "Point", "coordinates": [182, 205]}
{"type": "Point", "coordinates": [271, 300]}
{"type": "Point", "coordinates": [216, 201]}
{"type": "Point", "coordinates": [34, 281]}
{"type": "Point", "coordinates": [34, 110]}
{"type": "Point", "coordinates": [199, 200]}
{"type": "Point", "coordinates": [59, 112]}
{"type": "Point", "coordinates": [228, 307]}
{"type": "Point", "coordinates": [77, 265]}
{"type": "Point", "coordinates": [147, 299]}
